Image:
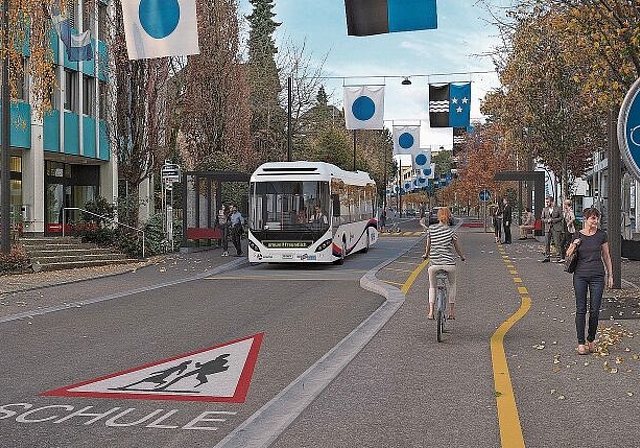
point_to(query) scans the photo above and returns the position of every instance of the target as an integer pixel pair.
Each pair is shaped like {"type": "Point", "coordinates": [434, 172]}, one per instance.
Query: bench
{"type": "Point", "coordinates": [203, 233]}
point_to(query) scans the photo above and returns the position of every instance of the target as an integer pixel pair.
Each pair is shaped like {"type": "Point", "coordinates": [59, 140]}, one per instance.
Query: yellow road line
{"type": "Point", "coordinates": [510, 429]}
{"type": "Point", "coordinates": [392, 283]}
{"type": "Point", "coordinates": [412, 278]}
{"type": "Point", "coordinates": [508, 418]}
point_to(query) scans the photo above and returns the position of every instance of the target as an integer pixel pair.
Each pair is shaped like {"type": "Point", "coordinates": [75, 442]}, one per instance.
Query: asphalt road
{"type": "Point", "coordinates": [330, 363]}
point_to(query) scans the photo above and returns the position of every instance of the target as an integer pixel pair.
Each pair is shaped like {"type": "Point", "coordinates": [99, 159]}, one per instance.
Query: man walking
{"type": "Point", "coordinates": [236, 229]}
{"type": "Point", "coordinates": [506, 220]}
{"type": "Point", "coordinates": [552, 219]}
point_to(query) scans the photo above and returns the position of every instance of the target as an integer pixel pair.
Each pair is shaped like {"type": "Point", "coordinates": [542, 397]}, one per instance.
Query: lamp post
{"type": "Point", "coordinates": [5, 195]}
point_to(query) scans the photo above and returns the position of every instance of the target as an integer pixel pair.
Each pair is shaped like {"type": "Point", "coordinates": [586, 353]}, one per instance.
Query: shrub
{"type": "Point", "coordinates": [13, 262]}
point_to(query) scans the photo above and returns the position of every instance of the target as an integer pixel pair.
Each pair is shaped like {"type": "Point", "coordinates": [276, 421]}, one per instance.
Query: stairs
{"type": "Point", "coordinates": [52, 253]}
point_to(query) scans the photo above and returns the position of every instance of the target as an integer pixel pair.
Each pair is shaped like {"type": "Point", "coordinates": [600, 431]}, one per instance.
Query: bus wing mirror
{"type": "Point", "coordinates": [336, 205]}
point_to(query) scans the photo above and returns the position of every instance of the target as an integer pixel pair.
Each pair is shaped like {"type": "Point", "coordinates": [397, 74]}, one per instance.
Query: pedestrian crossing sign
{"type": "Point", "coordinates": [218, 374]}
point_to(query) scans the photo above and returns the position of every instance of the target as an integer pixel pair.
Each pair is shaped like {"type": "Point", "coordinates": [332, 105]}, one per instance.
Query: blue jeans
{"type": "Point", "coordinates": [595, 284]}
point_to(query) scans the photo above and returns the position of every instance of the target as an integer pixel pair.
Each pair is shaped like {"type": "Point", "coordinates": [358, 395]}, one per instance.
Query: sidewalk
{"type": "Point", "coordinates": [24, 293]}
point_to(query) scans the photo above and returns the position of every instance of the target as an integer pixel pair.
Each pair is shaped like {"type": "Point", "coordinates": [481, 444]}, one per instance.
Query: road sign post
{"type": "Point", "coordinates": [484, 196]}
{"type": "Point", "coordinates": [170, 173]}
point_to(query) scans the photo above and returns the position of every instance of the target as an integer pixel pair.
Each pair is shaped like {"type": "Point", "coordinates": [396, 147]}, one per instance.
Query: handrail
{"type": "Point", "coordinates": [115, 221]}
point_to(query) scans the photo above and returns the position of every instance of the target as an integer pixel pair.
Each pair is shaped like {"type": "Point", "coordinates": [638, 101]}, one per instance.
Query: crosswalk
{"type": "Point", "coordinates": [398, 234]}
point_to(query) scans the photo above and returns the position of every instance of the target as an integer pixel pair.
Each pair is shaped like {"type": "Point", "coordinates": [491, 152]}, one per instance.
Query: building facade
{"type": "Point", "coordinates": [63, 159]}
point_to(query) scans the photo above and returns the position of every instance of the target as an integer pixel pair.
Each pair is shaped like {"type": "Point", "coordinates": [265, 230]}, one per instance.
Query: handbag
{"type": "Point", "coordinates": [571, 261]}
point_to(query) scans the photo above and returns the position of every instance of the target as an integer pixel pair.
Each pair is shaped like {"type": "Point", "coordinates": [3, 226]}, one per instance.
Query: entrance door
{"type": "Point", "coordinates": [68, 186]}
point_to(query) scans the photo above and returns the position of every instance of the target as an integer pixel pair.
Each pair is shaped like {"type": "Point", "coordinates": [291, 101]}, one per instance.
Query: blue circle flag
{"type": "Point", "coordinates": [421, 159]}
{"type": "Point", "coordinates": [427, 171]}
{"type": "Point", "coordinates": [159, 18]}
{"type": "Point", "coordinates": [363, 108]}
{"type": "Point", "coordinates": [405, 140]}
{"type": "Point", "coordinates": [422, 180]}
{"type": "Point", "coordinates": [407, 185]}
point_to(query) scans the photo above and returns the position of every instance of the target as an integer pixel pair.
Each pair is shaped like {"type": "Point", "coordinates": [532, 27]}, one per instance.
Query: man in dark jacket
{"type": "Point", "coordinates": [506, 220]}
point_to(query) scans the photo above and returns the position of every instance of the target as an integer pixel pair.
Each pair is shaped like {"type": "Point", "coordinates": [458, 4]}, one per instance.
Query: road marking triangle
{"type": "Point", "coordinates": [219, 374]}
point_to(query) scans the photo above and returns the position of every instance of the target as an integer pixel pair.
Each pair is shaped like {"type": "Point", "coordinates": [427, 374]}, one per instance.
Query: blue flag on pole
{"type": "Point", "coordinates": [368, 17]}
{"type": "Point", "coordinates": [459, 105]}
{"type": "Point", "coordinates": [78, 46]}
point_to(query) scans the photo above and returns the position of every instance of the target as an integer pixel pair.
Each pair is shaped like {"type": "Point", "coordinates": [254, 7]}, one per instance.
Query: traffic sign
{"type": "Point", "coordinates": [170, 172]}
{"type": "Point", "coordinates": [629, 129]}
{"type": "Point", "coordinates": [484, 195]}
{"type": "Point", "coordinates": [221, 373]}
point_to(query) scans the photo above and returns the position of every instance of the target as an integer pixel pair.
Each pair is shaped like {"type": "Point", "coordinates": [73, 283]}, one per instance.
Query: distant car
{"type": "Point", "coordinates": [411, 212]}
{"type": "Point", "coordinates": [433, 216]}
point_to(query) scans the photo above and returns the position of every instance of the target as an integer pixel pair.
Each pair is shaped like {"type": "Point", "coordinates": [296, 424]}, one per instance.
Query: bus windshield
{"type": "Point", "coordinates": [290, 206]}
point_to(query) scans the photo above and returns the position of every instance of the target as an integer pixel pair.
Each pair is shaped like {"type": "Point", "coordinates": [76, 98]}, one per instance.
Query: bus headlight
{"type": "Point", "coordinates": [253, 246]}
{"type": "Point", "coordinates": [324, 245]}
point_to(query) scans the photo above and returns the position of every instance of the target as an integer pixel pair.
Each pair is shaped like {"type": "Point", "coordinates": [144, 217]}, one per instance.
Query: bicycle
{"type": "Point", "coordinates": [442, 302]}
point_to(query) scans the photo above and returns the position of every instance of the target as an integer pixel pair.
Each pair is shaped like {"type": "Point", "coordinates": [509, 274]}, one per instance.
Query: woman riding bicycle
{"type": "Point", "coordinates": [441, 242]}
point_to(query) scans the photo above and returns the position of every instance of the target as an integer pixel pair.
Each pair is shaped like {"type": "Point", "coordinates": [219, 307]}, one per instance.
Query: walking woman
{"type": "Point", "coordinates": [593, 259]}
{"type": "Point", "coordinates": [497, 221]}
{"type": "Point", "coordinates": [441, 242]}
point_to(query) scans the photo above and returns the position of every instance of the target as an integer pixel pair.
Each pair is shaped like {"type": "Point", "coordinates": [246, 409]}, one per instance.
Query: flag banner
{"type": "Point", "coordinates": [439, 105]}
{"type": "Point", "coordinates": [421, 159]}
{"type": "Point", "coordinates": [460, 105]}
{"type": "Point", "coordinates": [364, 107]}
{"type": "Point", "coordinates": [406, 139]}
{"type": "Point", "coordinates": [369, 17]}
{"type": "Point", "coordinates": [458, 139]}
{"type": "Point", "coordinates": [77, 46]}
{"type": "Point", "coordinates": [429, 173]}
{"type": "Point", "coordinates": [155, 28]}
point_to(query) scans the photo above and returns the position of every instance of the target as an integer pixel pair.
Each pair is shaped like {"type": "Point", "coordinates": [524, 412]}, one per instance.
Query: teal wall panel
{"type": "Point", "coordinates": [71, 134]}
{"type": "Point", "coordinates": [51, 131]}
{"type": "Point", "coordinates": [89, 137]}
{"type": "Point", "coordinates": [103, 64]}
{"type": "Point", "coordinates": [20, 135]}
{"type": "Point", "coordinates": [105, 152]}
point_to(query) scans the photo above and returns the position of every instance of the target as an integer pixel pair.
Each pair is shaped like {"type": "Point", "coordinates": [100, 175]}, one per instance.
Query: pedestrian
{"type": "Point", "coordinates": [442, 240]}
{"type": "Point", "coordinates": [383, 221]}
{"type": "Point", "coordinates": [318, 219]}
{"type": "Point", "coordinates": [552, 220]}
{"type": "Point", "coordinates": [223, 225]}
{"type": "Point", "coordinates": [569, 227]}
{"type": "Point", "coordinates": [506, 220]}
{"type": "Point", "coordinates": [593, 257]}
{"type": "Point", "coordinates": [237, 229]}
{"type": "Point", "coordinates": [497, 221]}
{"type": "Point", "coordinates": [528, 223]}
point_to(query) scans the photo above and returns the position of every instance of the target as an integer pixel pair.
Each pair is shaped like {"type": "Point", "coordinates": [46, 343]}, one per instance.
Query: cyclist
{"type": "Point", "coordinates": [441, 242]}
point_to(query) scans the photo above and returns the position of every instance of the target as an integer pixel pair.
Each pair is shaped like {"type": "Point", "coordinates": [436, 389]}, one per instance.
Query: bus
{"type": "Point", "coordinates": [311, 212]}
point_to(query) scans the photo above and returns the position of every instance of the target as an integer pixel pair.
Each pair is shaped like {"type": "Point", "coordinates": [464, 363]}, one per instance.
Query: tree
{"type": "Point", "coordinates": [138, 118]}
{"type": "Point", "coordinates": [30, 27]}
{"type": "Point", "coordinates": [267, 117]}
{"type": "Point", "coordinates": [214, 109]}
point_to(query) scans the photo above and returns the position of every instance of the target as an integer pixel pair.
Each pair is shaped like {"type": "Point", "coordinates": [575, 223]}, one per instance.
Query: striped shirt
{"type": "Point", "coordinates": [441, 238]}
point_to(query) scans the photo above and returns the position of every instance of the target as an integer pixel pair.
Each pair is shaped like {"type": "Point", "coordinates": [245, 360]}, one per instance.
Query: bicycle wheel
{"type": "Point", "coordinates": [439, 322]}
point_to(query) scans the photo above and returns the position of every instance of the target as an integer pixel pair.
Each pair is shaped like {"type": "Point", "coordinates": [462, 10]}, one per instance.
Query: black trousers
{"type": "Point", "coordinates": [507, 232]}
{"type": "Point", "coordinates": [235, 239]}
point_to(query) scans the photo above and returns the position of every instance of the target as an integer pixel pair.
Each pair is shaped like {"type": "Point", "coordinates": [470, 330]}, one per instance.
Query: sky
{"type": "Point", "coordinates": [451, 53]}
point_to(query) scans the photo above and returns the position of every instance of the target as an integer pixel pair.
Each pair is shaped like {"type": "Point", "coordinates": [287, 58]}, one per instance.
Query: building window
{"type": "Point", "coordinates": [87, 14]}
{"type": "Point", "coordinates": [88, 95]}
{"type": "Point", "coordinates": [103, 100]}
{"type": "Point", "coordinates": [72, 13]}
{"type": "Point", "coordinates": [71, 90]}
{"type": "Point", "coordinates": [102, 21]}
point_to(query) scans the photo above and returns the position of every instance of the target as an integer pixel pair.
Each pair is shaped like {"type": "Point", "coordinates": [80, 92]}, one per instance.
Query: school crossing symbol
{"type": "Point", "coordinates": [219, 374]}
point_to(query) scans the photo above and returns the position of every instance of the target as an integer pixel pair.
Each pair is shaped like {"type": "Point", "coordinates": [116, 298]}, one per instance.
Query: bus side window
{"type": "Point", "coordinates": [335, 199]}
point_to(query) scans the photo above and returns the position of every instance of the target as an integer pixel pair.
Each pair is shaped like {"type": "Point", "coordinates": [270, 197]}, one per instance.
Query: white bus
{"type": "Point", "coordinates": [310, 212]}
